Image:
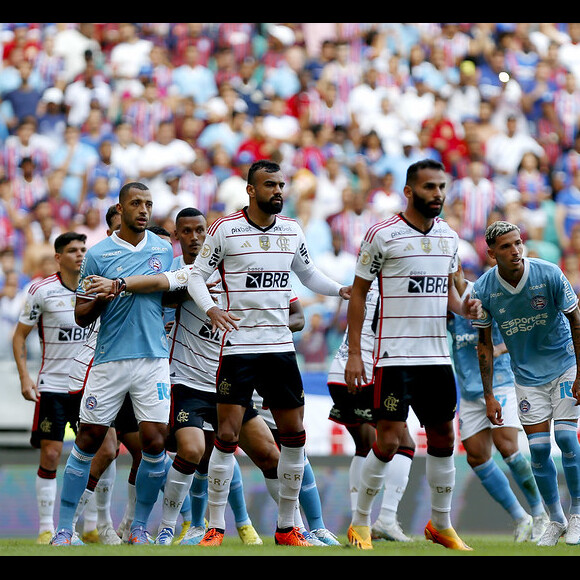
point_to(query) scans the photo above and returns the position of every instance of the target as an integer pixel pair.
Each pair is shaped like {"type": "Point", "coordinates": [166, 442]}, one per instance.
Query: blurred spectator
{"type": "Point", "coordinates": [127, 58]}
{"type": "Point", "coordinates": [25, 98]}
{"type": "Point", "coordinates": [568, 210]}
{"type": "Point", "coordinates": [231, 192]}
{"type": "Point", "coordinates": [28, 187]}
{"type": "Point", "coordinates": [192, 78]}
{"type": "Point", "coordinates": [146, 112]}
{"type": "Point", "coordinates": [80, 94]}
{"type": "Point", "coordinates": [52, 118]}
{"type": "Point", "coordinates": [164, 153]}
{"type": "Point", "coordinates": [25, 142]}
{"type": "Point", "coordinates": [74, 158]}
{"type": "Point", "coordinates": [312, 345]}
{"type": "Point", "coordinates": [504, 152]}
{"type": "Point", "coordinates": [125, 151]}
{"type": "Point", "coordinates": [201, 182]}
{"type": "Point", "coordinates": [168, 202]}
{"type": "Point", "coordinates": [567, 109]}
{"type": "Point", "coordinates": [71, 43]}
{"type": "Point", "coordinates": [11, 301]}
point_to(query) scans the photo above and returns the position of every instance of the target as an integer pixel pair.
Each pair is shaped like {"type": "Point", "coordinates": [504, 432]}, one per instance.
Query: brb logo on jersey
{"type": "Point", "coordinates": [74, 334]}
{"type": "Point", "coordinates": [267, 280]}
{"type": "Point", "coordinates": [428, 285]}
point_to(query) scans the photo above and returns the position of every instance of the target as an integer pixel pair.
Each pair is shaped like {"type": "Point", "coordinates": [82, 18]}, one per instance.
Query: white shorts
{"type": "Point", "coordinates": [546, 402]}
{"type": "Point", "coordinates": [473, 413]}
{"type": "Point", "coordinates": [145, 379]}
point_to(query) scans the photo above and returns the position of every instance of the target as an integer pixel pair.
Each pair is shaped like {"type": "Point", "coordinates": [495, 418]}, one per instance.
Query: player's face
{"type": "Point", "coordinates": [428, 193]}
{"type": "Point", "coordinates": [508, 251]}
{"type": "Point", "coordinates": [190, 233]}
{"type": "Point", "coordinates": [72, 256]}
{"type": "Point", "coordinates": [136, 210]}
{"type": "Point", "coordinates": [267, 191]}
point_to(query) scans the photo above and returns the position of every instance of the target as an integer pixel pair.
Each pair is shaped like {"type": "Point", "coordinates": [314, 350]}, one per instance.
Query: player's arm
{"type": "Point", "coordinates": [469, 307]}
{"type": "Point", "coordinates": [354, 372]}
{"type": "Point", "coordinates": [296, 316]}
{"type": "Point", "coordinates": [485, 355]}
{"type": "Point", "coordinates": [199, 291]}
{"type": "Point", "coordinates": [27, 384]}
{"type": "Point", "coordinates": [574, 319]}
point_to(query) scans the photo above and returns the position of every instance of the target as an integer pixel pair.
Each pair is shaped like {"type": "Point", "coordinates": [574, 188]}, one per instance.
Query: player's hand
{"type": "Point", "coordinates": [102, 288]}
{"type": "Point", "coordinates": [493, 412]}
{"type": "Point", "coordinates": [354, 373]}
{"type": "Point", "coordinates": [576, 391]}
{"type": "Point", "coordinates": [222, 320]}
{"type": "Point", "coordinates": [345, 292]}
{"type": "Point", "coordinates": [29, 390]}
{"type": "Point", "coordinates": [471, 308]}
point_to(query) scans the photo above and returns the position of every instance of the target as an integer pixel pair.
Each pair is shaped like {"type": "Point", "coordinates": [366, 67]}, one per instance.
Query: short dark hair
{"type": "Point", "coordinates": [65, 239]}
{"type": "Point", "coordinates": [414, 168]}
{"type": "Point", "coordinates": [111, 212]}
{"type": "Point", "coordinates": [128, 186]}
{"type": "Point", "coordinates": [159, 230]}
{"type": "Point", "coordinates": [265, 164]}
{"type": "Point", "coordinates": [188, 212]}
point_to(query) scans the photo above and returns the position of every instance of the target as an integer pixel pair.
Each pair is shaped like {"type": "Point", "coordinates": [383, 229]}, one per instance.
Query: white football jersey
{"type": "Point", "coordinates": [51, 305]}
{"type": "Point", "coordinates": [254, 264]}
{"type": "Point", "coordinates": [413, 269]}
{"type": "Point", "coordinates": [83, 361]}
{"type": "Point", "coordinates": [367, 341]}
{"type": "Point", "coordinates": [194, 350]}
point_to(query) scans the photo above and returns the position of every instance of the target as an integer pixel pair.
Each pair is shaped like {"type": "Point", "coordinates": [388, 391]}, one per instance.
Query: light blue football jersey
{"type": "Point", "coordinates": [464, 339]}
{"type": "Point", "coordinates": [531, 319]}
{"type": "Point", "coordinates": [132, 324]}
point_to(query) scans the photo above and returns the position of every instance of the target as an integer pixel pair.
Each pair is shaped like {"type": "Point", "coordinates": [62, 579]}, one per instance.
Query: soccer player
{"type": "Point", "coordinates": [536, 310]}
{"type": "Point", "coordinates": [478, 435]}
{"type": "Point", "coordinates": [49, 306]}
{"type": "Point", "coordinates": [131, 356]}
{"type": "Point", "coordinates": [355, 412]}
{"type": "Point", "coordinates": [414, 254]}
{"type": "Point", "coordinates": [254, 250]}
{"type": "Point", "coordinates": [194, 352]}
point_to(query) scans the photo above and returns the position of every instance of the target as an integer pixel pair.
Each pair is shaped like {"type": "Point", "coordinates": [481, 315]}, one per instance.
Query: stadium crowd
{"type": "Point", "coordinates": [343, 108]}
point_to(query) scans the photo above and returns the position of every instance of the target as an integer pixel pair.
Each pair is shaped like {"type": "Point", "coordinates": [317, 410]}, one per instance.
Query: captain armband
{"type": "Point", "coordinates": [178, 278]}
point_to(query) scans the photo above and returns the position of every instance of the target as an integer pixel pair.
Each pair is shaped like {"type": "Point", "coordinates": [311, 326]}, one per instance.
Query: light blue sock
{"type": "Point", "coordinates": [148, 483]}
{"type": "Point", "coordinates": [497, 485]}
{"type": "Point", "coordinates": [198, 494]}
{"type": "Point", "coordinates": [236, 498]}
{"type": "Point", "coordinates": [565, 433]}
{"type": "Point", "coordinates": [544, 470]}
{"type": "Point", "coordinates": [310, 498]}
{"type": "Point", "coordinates": [521, 471]}
{"type": "Point", "coordinates": [74, 483]}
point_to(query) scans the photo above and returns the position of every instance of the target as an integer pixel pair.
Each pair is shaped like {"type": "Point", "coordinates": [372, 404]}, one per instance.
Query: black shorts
{"type": "Point", "coordinates": [275, 376]}
{"type": "Point", "coordinates": [351, 409]}
{"type": "Point", "coordinates": [429, 390]}
{"type": "Point", "coordinates": [194, 408]}
{"type": "Point", "coordinates": [52, 413]}
{"type": "Point", "coordinates": [125, 421]}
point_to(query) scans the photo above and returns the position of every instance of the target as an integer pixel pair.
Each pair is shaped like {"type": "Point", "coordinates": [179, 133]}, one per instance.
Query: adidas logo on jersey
{"type": "Point", "coordinates": [246, 244]}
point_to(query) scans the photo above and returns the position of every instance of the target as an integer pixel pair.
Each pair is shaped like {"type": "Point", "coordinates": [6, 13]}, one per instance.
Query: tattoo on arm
{"type": "Point", "coordinates": [485, 356]}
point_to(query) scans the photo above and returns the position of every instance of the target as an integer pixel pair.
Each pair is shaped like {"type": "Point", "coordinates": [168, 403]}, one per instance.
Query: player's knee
{"type": "Point", "coordinates": [565, 434]}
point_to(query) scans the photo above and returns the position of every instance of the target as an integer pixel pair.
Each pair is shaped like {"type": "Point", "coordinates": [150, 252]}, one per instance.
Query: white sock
{"type": "Point", "coordinates": [176, 489]}
{"type": "Point", "coordinates": [273, 487]}
{"type": "Point", "coordinates": [45, 498]}
{"type": "Point", "coordinates": [131, 502]}
{"type": "Point", "coordinates": [440, 473]}
{"type": "Point", "coordinates": [85, 498]}
{"type": "Point", "coordinates": [220, 473]}
{"type": "Point", "coordinates": [104, 494]}
{"type": "Point", "coordinates": [354, 479]}
{"type": "Point", "coordinates": [290, 472]}
{"type": "Point", "coordinates": [90, 514]}
{"type": "Point", "coordinates": [371, 480]}
{"type": "Point", "coordinates": [396, 481]}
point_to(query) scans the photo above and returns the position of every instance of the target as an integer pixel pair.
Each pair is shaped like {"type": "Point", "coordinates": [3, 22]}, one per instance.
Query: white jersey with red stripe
{"type": "Point", "coordinates": [193, 348]}
{"type": "Point", "coordinates": [83, 361]}
{"type": "Point", "coordinates": [367, 342]}
{"type": "Point", "coordinates": [413, 269]}
{"type": "Point", "coordinates": [254, 264]}
{"type": "Point", "coordinates": [50, 305]}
